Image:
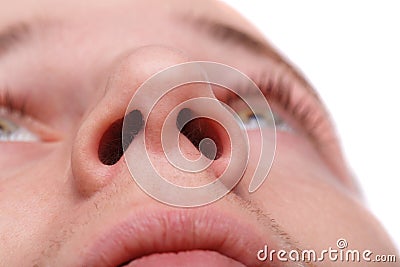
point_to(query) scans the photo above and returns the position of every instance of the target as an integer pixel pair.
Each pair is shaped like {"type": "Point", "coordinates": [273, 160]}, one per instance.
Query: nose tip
{"type": "Point", "coordinates": [206, 120]}
{"type": "Point", "coordinates": [110, 128]}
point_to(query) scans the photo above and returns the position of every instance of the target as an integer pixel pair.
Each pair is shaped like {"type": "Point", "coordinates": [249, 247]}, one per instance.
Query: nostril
{"type": "Point", "coordinates": [203, 133]}
{"type": "Point", "coordinates": [112, 145]}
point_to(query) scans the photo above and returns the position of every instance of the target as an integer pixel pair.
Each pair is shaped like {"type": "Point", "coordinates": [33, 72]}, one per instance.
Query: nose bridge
{"type": "Point", "coordinates": [104, 124]}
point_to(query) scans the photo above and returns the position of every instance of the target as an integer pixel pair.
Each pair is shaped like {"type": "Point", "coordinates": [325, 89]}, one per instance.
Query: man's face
{"type": "Point", "coordinates": [67, 73]}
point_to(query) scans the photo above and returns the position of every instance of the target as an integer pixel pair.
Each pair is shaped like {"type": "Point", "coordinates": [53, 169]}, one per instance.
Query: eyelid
{"type": "Point", "coordinates": [293, 95]}
{"type": "Point", "coordinates": [295, 100]}
{"type": "Point", "coordinates": [44, 133]}
{"type": "Point", "coordinates": [300, 104]}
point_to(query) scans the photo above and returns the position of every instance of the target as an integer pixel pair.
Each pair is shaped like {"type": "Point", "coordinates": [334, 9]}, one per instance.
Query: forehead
{"type": "Point", "coordinates": [116, 25]}
{"type": "Point", "coordinates": [121, 11]}
{"type": "Point", "coordinates": [73, 26]}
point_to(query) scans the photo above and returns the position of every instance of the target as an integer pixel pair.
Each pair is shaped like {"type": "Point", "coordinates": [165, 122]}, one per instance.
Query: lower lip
{"type": "Point", "coordinates": [195, 258]}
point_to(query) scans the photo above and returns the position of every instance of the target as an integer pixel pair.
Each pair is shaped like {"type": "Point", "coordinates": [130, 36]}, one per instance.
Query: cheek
{"type": "Point", "coordinates": [15, 157]}
{"type": "Point", "coordinates": [311, 204]}
{"type": "Point", "coordinates": [18, 161]}
{"type": "Point", "coordinates": [31, 199]}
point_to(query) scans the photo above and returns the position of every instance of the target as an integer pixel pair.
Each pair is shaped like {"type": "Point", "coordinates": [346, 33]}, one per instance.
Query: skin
{"type": "Point", "coordinates": [79, 69]}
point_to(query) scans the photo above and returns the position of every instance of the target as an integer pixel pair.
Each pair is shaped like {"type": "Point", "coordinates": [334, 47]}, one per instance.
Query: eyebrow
{"type": "Point", "coordinates": [229, 34]}
{"type": "Point", "coordinates": [19, 32]}
{"type": "Point", "coordinates": [14, 35]}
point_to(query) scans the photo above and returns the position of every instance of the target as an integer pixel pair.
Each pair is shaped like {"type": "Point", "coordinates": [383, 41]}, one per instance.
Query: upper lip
{"type": "Point", "coordinates": [171, 230]}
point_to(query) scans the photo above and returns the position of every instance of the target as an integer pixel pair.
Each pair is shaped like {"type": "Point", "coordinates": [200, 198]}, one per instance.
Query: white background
{"type": "Point", "coordinates": [350, 51]}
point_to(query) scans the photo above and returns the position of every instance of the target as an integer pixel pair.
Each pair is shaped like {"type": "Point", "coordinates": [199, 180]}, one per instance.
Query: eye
{"type": "Point", "coordinates": [12, 132]}
{"type": "Point", "coordinates": [257, 116]}
{"type": "Point", "coordinates": [252, 120]}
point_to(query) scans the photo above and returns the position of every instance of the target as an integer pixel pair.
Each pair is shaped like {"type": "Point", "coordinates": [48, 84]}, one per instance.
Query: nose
{"type": "Point", "coordinates": [99, 144]}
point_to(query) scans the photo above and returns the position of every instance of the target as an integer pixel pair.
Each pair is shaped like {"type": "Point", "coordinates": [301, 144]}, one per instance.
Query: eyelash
{"type": "Point", "coordinates": [11, 104]}
{"type": "Point", "coordinates": [280, 90]}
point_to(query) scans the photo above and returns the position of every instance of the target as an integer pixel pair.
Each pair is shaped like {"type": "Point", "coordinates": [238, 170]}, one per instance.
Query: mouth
{"type": "Point", "coordinates": [194, 258]}
{"type": "Point", "coordinates": [179, 237]}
